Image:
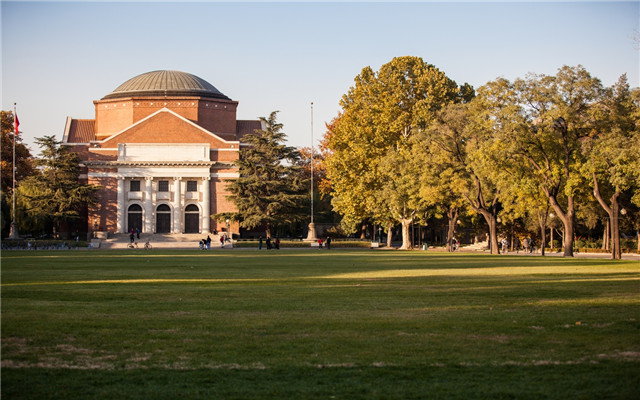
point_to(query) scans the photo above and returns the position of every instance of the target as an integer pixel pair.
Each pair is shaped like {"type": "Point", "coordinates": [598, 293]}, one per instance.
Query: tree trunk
{"type": "Point", "coordinates": [267, 231]}
{"type": "Point", "coordinates": [567, 219]}
{"type": "Point", "coordinates": [616, 252]}
{"type": "Point", "coordinates": [568, 236]}
{"type": "Point", "coordinates": [613, 211]}
{"type": "Point", "coordinates": [389, 235]}
{"type": "Point", "coordinates": [452, 215]}
{"type": "Point", "coordinates": [406, 239]}
{"type": "Point", "coordinates": [493, 231]}
{"type": "Point", "coordinates": [605, 236]}
{"type": "Point", "coordinates": [542, 220]}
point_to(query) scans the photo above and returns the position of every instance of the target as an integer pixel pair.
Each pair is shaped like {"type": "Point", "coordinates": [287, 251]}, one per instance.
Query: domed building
{"type": "Point", "coordinates": [160, 147]}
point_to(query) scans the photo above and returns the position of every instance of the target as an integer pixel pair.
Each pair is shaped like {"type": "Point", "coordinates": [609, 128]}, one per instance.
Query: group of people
{"type": "Point", "coordinates": [275, 244]}
{"type": "Point", "coordinates": [134, 234]}
{"type": "Point", "coordinates": [205, 244]}
{"type": "Point", "coordinates": [528, 245]}
{"type": "Point", "coordinates": [326, 243]}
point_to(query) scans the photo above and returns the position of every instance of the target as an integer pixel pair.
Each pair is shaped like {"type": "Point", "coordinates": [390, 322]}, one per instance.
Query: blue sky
{"type": "Point", "coordinates": [57, 57]}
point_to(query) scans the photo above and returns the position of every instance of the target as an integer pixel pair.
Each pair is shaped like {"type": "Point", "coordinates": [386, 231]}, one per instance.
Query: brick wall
{"type": "Point", "coordinates": [105, 209]}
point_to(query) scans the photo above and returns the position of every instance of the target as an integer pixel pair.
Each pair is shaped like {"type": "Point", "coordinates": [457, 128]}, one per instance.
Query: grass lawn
{"type": "Point", "coordinates": [303, 324]}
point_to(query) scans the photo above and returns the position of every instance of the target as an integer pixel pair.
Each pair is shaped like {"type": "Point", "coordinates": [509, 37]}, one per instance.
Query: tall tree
{"type": "Point", "coordinates": [540, 122]}
{"type": "Point", "coordinates": [379, 113]}
{"type": "Point", "coordinates": [612, 161]}
{"type": "Point", "coordinates": [457, 150]}
{"type": "Point", "coordinates": [55, 194]}
{"type": "Point", "coordinates": [400, 194]}
{"type": "Point", "coordinates": [271, 189]}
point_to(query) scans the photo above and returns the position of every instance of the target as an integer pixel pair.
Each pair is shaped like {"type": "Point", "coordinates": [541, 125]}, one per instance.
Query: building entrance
{"type": "Point", "coordinates": [191, 219]}
{"type": "Point", "coordinates": [163, 219]}
{"type": "Point", "coordinates": [134, 218]}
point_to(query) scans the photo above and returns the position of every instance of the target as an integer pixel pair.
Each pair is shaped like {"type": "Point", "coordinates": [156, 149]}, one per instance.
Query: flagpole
{"type": "Point", "coordinates": [312, 162]}
{"type": "Point", "coordinates": [13, 230]}
{"type": "Point", "coordinates": [311, 236]}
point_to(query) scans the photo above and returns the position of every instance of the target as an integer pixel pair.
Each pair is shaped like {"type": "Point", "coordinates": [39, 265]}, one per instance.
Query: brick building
{"type": "Point", "coordinates": [161, 146]}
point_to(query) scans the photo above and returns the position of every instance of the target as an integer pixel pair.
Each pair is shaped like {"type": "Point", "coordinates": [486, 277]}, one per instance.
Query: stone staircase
{"type": "Point", "coordinates": [161, 241]}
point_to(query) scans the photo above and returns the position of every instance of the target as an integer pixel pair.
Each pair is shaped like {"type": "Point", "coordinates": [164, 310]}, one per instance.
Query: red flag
{"type": "Point", "coordinates": [16, 122]}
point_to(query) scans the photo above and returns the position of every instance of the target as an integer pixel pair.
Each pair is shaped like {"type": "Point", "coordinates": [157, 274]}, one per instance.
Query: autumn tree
{"type": "Point", "coordinates": [457, 153]}
{"type": "Point", "coordinates": [541, 122]}
{"type": "Point", "coordinates": [400, 194]}
{"type": "Point", "coordinates": [612, 161]}
{"type": "Point", "coordinates": [271, 188]}
{"type": "Point", "coordinates": [379, 114]}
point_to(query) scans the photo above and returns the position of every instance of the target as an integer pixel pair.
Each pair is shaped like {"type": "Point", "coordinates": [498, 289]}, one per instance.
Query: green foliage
{"type": "Point", "coordinates": [540, 123]}
{"type": "Point", "coordinates": [55, 194]}
{"type": "Point", "coordinates": [459, 165]}
{"type": "Point", "coordinates": [379, 114]}
{"type": "Point", "coordinates": [271, 186]}
{"type": "Point", "coordinates": [24, 165]}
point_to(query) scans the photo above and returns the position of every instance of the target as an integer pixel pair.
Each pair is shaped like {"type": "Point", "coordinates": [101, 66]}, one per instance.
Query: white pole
{"type": "Point", "coordinates": [14, 225]}
{"type": "Point", "coordinates": [312, 162]}
{"type": "Point", "coordinates": [311, 236]}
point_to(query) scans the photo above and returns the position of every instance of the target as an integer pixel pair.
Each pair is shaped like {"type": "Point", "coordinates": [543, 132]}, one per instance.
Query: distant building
{"type": "Point", "coordinates": [161, 146]}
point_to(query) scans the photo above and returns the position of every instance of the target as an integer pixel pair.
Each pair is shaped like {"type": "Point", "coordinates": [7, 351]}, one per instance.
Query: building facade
{"type": "Point", "coordinates": [161, 148]}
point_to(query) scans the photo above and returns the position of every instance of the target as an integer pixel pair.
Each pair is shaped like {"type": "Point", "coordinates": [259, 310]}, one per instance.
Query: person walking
{"type": "Point", "coordinates": [328, 243]}
{"type": "Point", "coordinates": [208, 242]}
{"type": "Point", "coordinates": [260, 243]}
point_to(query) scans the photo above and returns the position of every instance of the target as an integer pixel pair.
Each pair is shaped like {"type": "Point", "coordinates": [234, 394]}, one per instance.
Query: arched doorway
{"type": "Point", "coordinates": [191, 219]}
{"type": "Point", "coordinates": [163, 219]}
{"type": "Point", "coordinates": [134, 218]}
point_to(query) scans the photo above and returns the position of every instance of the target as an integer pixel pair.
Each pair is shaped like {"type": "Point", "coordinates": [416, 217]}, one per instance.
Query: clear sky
{"type": "Point", "coordinates": [57, 57]}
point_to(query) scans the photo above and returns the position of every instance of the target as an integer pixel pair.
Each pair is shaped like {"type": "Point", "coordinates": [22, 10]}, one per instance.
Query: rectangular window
{"type": "Point", "coordinates": [134, 186]}
{"type": "Point", "coordinates": [163, 186]}
{"type": "Point", "coordinates": [192, 186]}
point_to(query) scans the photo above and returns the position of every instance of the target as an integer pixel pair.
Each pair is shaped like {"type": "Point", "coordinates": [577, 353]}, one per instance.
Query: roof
{"type": "Point", "coordinates": [247, 127]}
{"type": "Point", "coordinates": [166, 83]}
{"type": "Point", "coordinates": [81, 131]}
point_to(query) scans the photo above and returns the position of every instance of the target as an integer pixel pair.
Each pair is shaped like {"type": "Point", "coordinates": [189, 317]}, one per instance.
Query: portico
{"type": "Point", "coordinates": [169, 196]}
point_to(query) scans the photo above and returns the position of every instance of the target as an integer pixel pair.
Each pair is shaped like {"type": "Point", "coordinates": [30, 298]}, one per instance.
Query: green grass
{"type": "Point", "coordinates": [346, 324]}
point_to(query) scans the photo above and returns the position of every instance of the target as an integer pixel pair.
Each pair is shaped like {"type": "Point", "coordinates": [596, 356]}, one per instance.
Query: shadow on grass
{"type": "Point", "coordinates": [586, 381]}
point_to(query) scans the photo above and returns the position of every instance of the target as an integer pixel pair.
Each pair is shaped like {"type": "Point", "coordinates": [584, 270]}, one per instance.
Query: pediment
{"type": "Point", "coordinates": [165, 126]}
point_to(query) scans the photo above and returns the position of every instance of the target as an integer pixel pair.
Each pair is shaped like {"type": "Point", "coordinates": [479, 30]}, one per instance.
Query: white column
{"type": "Point", "coordinates": [206, 205]}
{"type": "Point", "coordinates": [121, 215]}
{"type": "Point", "coordinates": [148, 205]}
{"type": "Point", "coordinates": [177, 205]}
